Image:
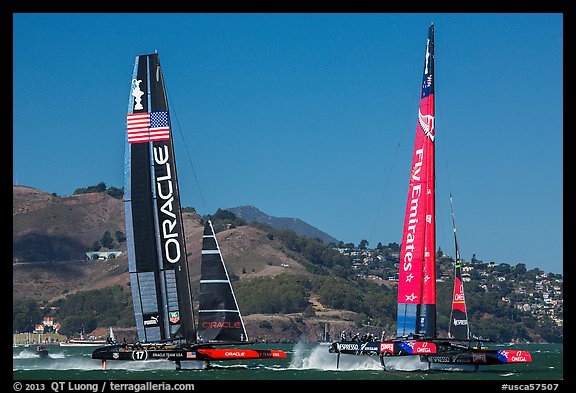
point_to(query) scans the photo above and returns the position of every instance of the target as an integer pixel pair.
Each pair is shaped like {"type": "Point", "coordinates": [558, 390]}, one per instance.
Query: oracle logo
{"type": "Point", "coordinates": [236, 354]}
{"type": "Point", "coordinates": [169, 224]}
{"type": "Point", "coordinates": [221, 325]}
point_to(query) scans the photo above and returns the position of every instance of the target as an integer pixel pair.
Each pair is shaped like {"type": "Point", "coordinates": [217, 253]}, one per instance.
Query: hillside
{"type": "Point", "coordinates": [47, 227]}
{"type": "Point", "coordinates": [52, 233]}
{"type": "Point", "coordinates": [57, 231]}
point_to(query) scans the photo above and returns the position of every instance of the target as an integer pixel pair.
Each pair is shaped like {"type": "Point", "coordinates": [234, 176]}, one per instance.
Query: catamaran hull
{"type": "Point", "coordinates": [180, 354]}
{"type": "Point", "coordinates": [458, 361]}
{"type": "Point", "coordinates": [420, 363]}
{"type": "Point", "coordinates": [426, 355]}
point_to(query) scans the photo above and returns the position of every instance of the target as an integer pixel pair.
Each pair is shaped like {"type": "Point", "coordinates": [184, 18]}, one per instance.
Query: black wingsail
{"type": "Point", "coordinates": [154, 233]}
{"type": "Point", "coordinates": [219, 318]}
{"type": "Point", "coordinates": [157, 258]}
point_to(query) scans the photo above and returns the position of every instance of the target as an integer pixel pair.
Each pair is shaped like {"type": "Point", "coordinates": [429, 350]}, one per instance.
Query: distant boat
{"type": "Point", "coordinates": [41, 351]}
{"type": "Point", "coordinates": [111, 339]}
{"type": "Point", "coordinates": [83, 342]}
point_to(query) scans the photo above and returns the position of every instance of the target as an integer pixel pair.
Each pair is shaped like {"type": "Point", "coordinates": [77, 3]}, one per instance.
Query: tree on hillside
{"type": "Point", "coordinates": [25, 315]}
{"type": "Point", "coordinates": [224, 219]}
{"type": "Point", "coordinates": [114, 192]}
{"type": "Point", "coordinates": [100, 187]}
{"type": "Point", "coordinates": [519, 269]}
{"type": "Point", "coordinates": [224, 215]}
{"type": "Point", "coordinates": [107, 240]}
{"type": "Point", "coordinates": [73, 325]}
{"type": "Point", "coordinates": [282, 294]}
{"type": "Point", "coordinates": [120, 236]}
{"type": "Point", "coordinates": [86, 310]}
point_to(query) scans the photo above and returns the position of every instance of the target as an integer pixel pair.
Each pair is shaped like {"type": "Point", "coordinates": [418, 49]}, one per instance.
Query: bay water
{"type": "Point", "coordinates": [305, 362]}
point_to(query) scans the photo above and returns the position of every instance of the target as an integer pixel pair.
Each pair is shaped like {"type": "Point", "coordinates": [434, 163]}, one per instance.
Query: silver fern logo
{"type": "Point", "coordinates": [427, 124]}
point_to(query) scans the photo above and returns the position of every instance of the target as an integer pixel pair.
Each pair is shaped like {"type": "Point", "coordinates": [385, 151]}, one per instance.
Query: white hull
{"type": "Point", "coordinates": [83, 344]}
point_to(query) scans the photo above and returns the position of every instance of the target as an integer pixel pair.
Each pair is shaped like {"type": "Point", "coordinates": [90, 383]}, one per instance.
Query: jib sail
{"type": "Point", "coordinates": [219, 318]}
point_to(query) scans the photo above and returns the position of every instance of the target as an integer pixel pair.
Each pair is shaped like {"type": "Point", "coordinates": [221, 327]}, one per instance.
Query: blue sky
{"type": "Point", "coordinates": [313, 116]}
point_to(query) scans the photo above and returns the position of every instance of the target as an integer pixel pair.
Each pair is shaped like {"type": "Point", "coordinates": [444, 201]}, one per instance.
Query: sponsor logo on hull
{"type": "Point", "coordinates": [348, 347]}
{"type": "Point", "coordinates": [387, 347]}
{"type": "Point", "coordinates": [508, 356]}
{"type": "Point", "coordinates": [224, 354]}
{"type": "Point", "coordinates": [418, 347]}
{"type": "Point", "coordinates": [479, 358]}
{"type": "Point", "coordinates": [359, 348]}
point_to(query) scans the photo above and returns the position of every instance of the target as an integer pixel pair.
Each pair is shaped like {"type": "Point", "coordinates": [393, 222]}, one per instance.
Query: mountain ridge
{"type": "Point", "coordinates": [300, 227]}
{"type": "Point", "coordinates": [49, 227]}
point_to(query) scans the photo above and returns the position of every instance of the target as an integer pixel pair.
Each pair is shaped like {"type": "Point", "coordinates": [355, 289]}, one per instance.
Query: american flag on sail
{"type": "Point", "coordinates": [147, 127]}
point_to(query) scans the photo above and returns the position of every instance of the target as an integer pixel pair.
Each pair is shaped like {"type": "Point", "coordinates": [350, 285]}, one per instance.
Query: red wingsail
{"type": "Point", "coordinates": [417, 276]}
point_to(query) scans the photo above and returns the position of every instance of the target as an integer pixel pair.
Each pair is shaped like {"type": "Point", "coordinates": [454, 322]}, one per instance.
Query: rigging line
{"type": "Point", "coordinates": [186, 148]}
{"type": "Point", "coordinates": [440, 215]}
{"type": "Point", "coordinates": [384, 192]}
{"type": "Point", "coordinates": [445, 241]}
{"type": "Point", "coordinates": [402, 134]}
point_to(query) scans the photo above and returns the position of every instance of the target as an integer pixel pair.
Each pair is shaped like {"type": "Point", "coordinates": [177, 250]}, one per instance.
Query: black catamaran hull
{"type": "Point", "coordinates": [445, 355]}
{"type": "Point", "coordinates": [464, 360]}
{"type": "Point", "coordinates": [384, 348]}
{"type": "Point", "coordinates": [181, 353]}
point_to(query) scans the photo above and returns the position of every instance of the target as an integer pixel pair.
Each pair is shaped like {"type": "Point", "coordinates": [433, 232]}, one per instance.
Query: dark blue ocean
{"type": "Point", "coordinates": [305, 363]}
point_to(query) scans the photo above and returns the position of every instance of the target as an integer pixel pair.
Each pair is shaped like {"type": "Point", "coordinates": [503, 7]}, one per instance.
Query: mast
{"type": "Point", "coordinates": [219, 316]}
{"type": "Point", "coordinates": [458, 327]}
{"type": "Point", "coordinates": [157, 260]}
{"type": "Point", "coordinates": [417, 272]}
